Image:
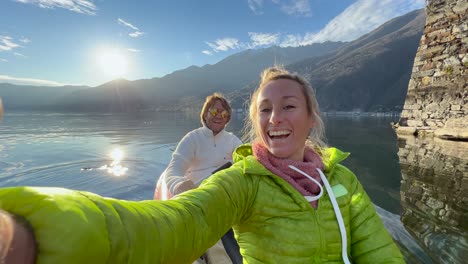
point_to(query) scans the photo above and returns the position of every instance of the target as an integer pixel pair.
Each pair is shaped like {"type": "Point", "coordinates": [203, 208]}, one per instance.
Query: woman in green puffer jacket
{"type": "Point", "coordinates": [287, 198]}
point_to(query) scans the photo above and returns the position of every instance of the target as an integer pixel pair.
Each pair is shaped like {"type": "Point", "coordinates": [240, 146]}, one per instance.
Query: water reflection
{"type": "Point", "coordinates": [434, 195]}
{"type": "Point", "coordinates": [115, 168]}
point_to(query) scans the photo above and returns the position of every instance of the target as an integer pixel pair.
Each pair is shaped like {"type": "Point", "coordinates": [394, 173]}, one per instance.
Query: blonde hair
{"type": "Point", "coordinates": [316, 138]}
{"type": "Point", "coordinates": [210, 101]}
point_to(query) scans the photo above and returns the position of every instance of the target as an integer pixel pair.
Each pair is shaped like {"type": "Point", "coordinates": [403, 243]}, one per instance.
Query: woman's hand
{"type": "Point", "coordinates": [17, 244]}
{"type": "Point", "coordinates": [184, 186]}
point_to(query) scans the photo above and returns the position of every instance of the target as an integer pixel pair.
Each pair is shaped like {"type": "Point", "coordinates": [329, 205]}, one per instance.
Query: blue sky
{"type": "Point", "coordinates": [90, 42]}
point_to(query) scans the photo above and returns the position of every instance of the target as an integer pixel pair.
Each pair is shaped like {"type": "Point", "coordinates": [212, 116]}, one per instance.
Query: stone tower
{"type": "Point", "coordinates": [437, 99]}
{"type": "Point", "coordinates": [433, 136]}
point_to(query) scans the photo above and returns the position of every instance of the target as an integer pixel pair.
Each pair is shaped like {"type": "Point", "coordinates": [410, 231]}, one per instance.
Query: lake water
{"type": "Point", "coordinates": [122, 155]}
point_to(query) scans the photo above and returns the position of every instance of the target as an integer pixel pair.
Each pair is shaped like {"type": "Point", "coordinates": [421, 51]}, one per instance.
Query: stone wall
{"type": "Point", "coordinates": [437, 98]}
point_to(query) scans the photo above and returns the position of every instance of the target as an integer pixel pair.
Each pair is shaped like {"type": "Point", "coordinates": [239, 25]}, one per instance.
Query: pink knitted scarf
{"type": "Point", "coordinates": [280, 167]}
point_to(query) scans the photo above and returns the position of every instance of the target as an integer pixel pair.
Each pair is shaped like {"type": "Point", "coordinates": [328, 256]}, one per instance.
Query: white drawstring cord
{"type": "Point", "coordinates": [336, 208]}
{"type": "Point", "coordinates": [309, 198]}
{"type": "Point", "coordinates": [339, 218]}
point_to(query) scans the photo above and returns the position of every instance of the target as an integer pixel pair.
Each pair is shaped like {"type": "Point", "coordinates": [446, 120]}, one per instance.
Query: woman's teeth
{"type": "Point", "coordinates": [281, 133]}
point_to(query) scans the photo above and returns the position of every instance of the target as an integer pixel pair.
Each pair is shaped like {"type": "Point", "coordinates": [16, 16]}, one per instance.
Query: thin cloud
{"type": "Point", "coordinates": [292, 41]}
{"type": "Point", "coordinates": [358, 19]}
{"type": "Point", "coordinates": [3, 60]}
{"type": "Point", "coordinates": [255, 6]}
{"type": "Point", "coordinates": [125, 23]}
{"type": "Point", "coordinates": [262, 39]}
{"type": "Point", "coordinates": [78, 6]}
{"type": "Point", "coordinates": [224, 44]}
{"type": "Point", "coordinates": [257, 40]}
{"type": "Point", "coordinates": [19, 54]}
{"type": "Point", "coordinates": [7, 43]}
{"type": "Point", "coordinates": [290, 7]}
{"type": "Point", "coordinates": [25, 40]}
{"type": "Point", "coordinates": [296, 7]}
{"type": "Point", "coordinates": [28, 81]}
{"type": "Point", "coordinates": [134, 34]}
{"type": "Point", "coordinates": [134, 50]}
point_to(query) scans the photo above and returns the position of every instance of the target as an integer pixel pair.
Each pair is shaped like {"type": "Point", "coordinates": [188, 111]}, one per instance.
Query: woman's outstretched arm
{"type": "Point", "coordinates": [81, 227]}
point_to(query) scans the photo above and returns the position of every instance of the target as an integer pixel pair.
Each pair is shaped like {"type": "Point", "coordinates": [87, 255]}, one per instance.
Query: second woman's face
{"type": "Point", "coordinates": [215, 119]}
{"type": "Point", "coordinates": [283, 119]}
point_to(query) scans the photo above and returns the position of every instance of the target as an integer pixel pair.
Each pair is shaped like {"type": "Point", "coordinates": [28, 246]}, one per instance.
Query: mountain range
{"type": "Point", "coordinates": [367, 74]}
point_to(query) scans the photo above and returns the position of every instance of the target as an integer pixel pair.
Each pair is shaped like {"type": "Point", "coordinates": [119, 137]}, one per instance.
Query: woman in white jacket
{"type": "Point", "coordinates": [198, 155]}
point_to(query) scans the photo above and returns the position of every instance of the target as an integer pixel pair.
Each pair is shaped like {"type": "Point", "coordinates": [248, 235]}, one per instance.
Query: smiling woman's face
{"type": "Point", "coordinates": [283, 119]}
{"type": "Point", "coordinates": [217, 122]}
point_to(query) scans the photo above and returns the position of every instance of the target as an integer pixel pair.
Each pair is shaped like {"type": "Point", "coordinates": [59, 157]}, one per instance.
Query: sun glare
{"type": "Point", "coordinates": [112, 62]}
{"type": "Point", "coordinates": [117, 155]}
{"type": "Point", "coordinates": [115, 168]}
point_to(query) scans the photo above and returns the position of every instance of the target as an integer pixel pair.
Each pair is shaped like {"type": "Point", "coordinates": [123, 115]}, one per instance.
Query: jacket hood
{"type": "Point", "coordinates": [330, 157]}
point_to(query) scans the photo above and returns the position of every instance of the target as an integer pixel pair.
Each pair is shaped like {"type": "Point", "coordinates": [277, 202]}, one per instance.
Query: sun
{"type": "Point", "coordinates": [112, 62]}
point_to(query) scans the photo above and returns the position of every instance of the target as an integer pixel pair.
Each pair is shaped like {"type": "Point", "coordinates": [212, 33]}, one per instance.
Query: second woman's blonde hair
{"type": "Point", "coordinates": [316, 138]}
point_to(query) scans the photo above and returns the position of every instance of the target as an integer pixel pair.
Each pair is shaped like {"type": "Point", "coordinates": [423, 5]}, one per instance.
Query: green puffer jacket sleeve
{"type": "Point", "coordinates": [81, 227]}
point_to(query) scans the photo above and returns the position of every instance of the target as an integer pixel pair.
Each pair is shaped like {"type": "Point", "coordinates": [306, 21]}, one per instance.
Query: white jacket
{"type": "Point", "coordinates": [198, 154]}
